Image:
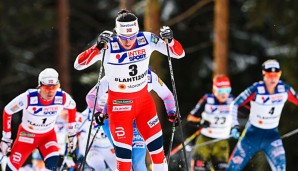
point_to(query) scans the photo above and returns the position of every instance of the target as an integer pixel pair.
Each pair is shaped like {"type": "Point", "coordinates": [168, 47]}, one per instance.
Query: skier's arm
{"type": "Point", "coordinates": [292, 95]}
{"type": "Point", "coordinates": [242, 99]}
{"type": "Point", "coordinates": [194, 118]}
{"type": "Point", "coordinates": [87, 58]}
{"type": "Point", "coordinates": [156, 43]}
{"type": "Point", "coordinates": [195, 114]}
{"type": "Point", "coordinates": [90, 98]}
{"type": "Point", "coordinates": [70, 106]}
{"type": "Point", "coordinates": [81, 120]}
{"type": "Point", "coordinates": [164, 93]}
{"type": "Point", "coordinates": [17, 104]}
{"type": "Point", "coordinates": [94, 53]}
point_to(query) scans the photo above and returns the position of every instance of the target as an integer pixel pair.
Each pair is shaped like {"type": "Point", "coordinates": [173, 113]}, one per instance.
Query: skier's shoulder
{"type": "Point", "coordinates": [205, 97]}
{"type": "Point", "coordinates": [283, 87]}
{"type": "Point", "coordinates": [150, 37]}
{"type": "Point", "coordinates": [256, 86]}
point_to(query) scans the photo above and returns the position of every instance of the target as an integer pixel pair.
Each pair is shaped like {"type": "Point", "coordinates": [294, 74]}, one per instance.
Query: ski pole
{"type": "Point", "coordinates": [219, 139]}
{"type": "Point", "coordinates": [172, 139]}
{"type": "Point", "coordinates": [66, 152]}
{"type": "Point", "coordinates": [88, 147]}
{"type": "Point", "coordinates": [289, 134]}
{"type": "Point", "coordinates": [95, 100]}
{"type": "Point", "coordinates": [212, 141]}
{"type": "Point", "coordinates": [189, 139]}
{"type": "Point", "coordinates": [63, 163]}
{"type": "Point", "coordinates": [177, 105]}
{"type": "Point", "coordinates": [1, 157]}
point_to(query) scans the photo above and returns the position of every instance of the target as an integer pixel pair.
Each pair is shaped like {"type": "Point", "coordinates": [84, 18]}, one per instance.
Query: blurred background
{"type": "Point", "coordinates": [232, 37]}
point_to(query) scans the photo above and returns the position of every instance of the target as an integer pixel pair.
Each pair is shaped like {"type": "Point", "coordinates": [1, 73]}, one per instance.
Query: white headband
{"type": "Point", "coordinates": [271, 64]}
{"type": "Point", "coordinates": [130, 27]}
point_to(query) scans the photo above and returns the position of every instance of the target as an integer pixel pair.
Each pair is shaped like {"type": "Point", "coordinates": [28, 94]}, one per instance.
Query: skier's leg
{"type": "Point", "coordinates": [201, 156]}
{"type": "Point", "coordinates": [138, 151]}
{"type": "Point", "coordinates": [220, 155]}
{"type": "Point", "coordinates": [149, 127]}
{"type": "Point", "coordinates": [275, 154]}
{"type": "Point", "coordinates": [49, 150]}
{"type": "Point", "coordinates": [107, 131]}
{"type": "Point", "coordinates": [21, 149]}
{"type": "Point", "coordinates": [242, 153]}
{"type": "Point", "coordinates": [95, 159]}
{"type": "Point", "coordinates": [122, 133]}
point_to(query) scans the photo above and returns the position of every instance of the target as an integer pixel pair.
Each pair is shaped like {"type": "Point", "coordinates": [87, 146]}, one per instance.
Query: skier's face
{"type": "Point", "coordinates": [271, 78]}
{"type": "Point", "coordinates": [128, 40]}
{"type": "Point", "coordinates": [48, 92]}
{"type": "Point", "coordinates": [222, 94]}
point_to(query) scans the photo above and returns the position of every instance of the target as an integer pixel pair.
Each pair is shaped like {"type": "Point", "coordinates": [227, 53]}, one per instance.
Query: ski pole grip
{"type": "Point", "coordinates": [167, 41]}
{"type": "Point", "coordinates": [105, 45]}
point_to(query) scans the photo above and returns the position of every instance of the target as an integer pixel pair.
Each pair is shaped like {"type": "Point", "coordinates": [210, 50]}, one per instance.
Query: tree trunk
{"type": "Point", "coordinates": [221, 34]}
{"type": "Point", "coordinates": [126, 4]}
{"type": "Point", "coordinates": [152, 24]}
{"type": "Point", "coordinates": [63, 44]}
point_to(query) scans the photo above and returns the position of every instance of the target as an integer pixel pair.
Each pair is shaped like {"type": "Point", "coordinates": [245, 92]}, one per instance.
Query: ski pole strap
{"type": "Point", "coordinates": [189, 139]}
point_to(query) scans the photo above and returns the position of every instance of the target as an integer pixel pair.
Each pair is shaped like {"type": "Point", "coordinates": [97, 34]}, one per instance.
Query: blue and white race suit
{"type": "Point", "coordinates": [261, 132]}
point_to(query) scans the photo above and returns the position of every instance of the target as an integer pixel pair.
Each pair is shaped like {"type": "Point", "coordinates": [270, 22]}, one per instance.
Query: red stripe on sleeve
{"type": "Point", "coordinates": [85, 57]}
{"type": "Point", "coordinates": [292, 98]}
{"type": "Point", "coordinates": [72, 115]}
{"type": "Point", "coordinates": [6, 122]}
{"type": "Point", "coordinates": [64, 98]}
{"type": "Point", "coordinates": [247, 100]}
{"type": "Point", "coordinates": [177, 48]}
{"type": "Point", "coordinates": [71, 112]}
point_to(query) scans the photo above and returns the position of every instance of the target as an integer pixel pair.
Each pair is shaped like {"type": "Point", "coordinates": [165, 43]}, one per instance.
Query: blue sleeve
{"type": "Point", "coordinates": [200, 107]}
{"type": "Point", "coordinates": [244, 97]}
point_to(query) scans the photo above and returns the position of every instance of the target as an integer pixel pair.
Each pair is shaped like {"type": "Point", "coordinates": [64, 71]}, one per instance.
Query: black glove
{"type": "Point", "coordinates": [202, 124]}
{"type": "Point", "coordinates": [99, 118]}
{"type": "Point", "coordinates": [173, 117]}
{"type": "Point", "coordinates": [103, 38]}
{"type": "Point", "coordinates": [166, 33]}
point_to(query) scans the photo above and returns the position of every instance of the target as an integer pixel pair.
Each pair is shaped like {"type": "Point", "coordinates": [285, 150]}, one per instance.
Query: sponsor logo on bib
{"type": "Point", "coordinates": [121, 108]}
{"type": "Point", "coordinates": [152, 122]}
{"type": "Point", "coordinates": [134, 55]}
{"type": "Point", "coordinates": [122, 101]}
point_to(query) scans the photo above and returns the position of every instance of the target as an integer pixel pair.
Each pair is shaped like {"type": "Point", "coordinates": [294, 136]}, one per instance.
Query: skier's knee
{"type": "Point", "coordinates": [155, 144]}
{"type": "Point", "coordinates": [122, 152]}
{"type": "Point", "coordinates": [8, 168]}
{"type": "Point", "coordinates": [200, 165]}
{"type": "Point", "coordinates": [51, 162]}
{"type": "Point", "coordinates": [220, 166]}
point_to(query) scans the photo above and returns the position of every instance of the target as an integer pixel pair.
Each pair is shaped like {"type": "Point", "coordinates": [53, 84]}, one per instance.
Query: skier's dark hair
{"type": "Point", "coordinates": [125, 16]}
